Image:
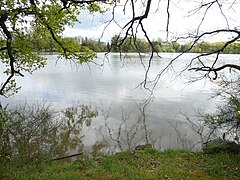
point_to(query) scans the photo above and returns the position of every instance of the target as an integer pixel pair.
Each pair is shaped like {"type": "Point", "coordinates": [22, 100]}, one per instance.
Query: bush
{"type": "Point", "coordinates": [226, 119]}
{"type": "Point", "coordinates": [38, 132]}
{"type": "Point", "coordinates": [27, 132]}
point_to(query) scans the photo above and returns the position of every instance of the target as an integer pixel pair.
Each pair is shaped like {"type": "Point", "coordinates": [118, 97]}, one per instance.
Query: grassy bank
{"type": "Point", "coordinates": [142, 164]}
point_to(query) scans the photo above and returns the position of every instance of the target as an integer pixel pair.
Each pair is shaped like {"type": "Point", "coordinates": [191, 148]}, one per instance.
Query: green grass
{"type": "Point", "coordinates": [142, 164]}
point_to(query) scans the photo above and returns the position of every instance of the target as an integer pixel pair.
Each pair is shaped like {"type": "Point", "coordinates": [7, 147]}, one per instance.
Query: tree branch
{"type": "Point", "coordinates": [139, 18]}
{"type": "Point", "coordinates": [3, 48]}
{"type": "Point", "coordinates": [234, 66]}
{"type": "Point", "coordinates": [3, 19]}
{"type": "Point", "coordinates": [168, 17]}
{"type": "Point", "coordinates": [217, 52]}
{"type": "Point", "coordinates": [215, 70]}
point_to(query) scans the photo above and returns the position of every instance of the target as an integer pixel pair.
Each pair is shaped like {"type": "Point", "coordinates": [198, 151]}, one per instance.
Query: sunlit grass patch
{"type": "Point", "coordinates": [140, 164]}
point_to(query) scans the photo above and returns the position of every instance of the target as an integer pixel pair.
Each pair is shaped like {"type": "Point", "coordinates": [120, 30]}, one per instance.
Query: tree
{"type": "Point", "coordinates": [51, 17]}
{"type": "Point", "coordinates": [42, 41]}
{"type": "Point", "coordinates": [157, 48]}
{"type": "Point", "coordinates": [47, 20]}
{"type": "Point", "coordinates": [224, 12]}
{"type": "Point", "coordinates": [96, 46]}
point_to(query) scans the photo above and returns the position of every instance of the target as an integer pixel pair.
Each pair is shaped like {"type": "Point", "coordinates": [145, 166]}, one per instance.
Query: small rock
{"type": "Point", "coordinates": [221, 145]}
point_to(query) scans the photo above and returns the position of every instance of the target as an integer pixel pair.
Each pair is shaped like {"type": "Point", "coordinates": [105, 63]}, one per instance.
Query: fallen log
{"type": "Point", "coordinates": [65, 157]}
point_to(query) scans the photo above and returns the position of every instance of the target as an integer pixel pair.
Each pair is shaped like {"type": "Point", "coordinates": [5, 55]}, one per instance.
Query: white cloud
{"type": "Point", "coordinates": [182, 20]}
{"type": "Point", "coordinates": [94, 25]}
{"type": "Point", "coordinates": [94, 32]}
{"type": "Point", "coordinates": [72, 32]}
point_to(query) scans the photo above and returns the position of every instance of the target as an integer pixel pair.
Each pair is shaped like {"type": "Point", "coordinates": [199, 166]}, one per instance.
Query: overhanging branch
{"type": "Point", "coordinates": [215, 70]}
{"type": "Point", "coordinates": [3, 19]}
{"type": "Point", "coordinates": [217, 52]}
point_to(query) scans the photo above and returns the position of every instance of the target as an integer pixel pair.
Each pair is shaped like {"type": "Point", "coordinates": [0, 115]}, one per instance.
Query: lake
{"type": "Point", "coordinates": [111, 85]}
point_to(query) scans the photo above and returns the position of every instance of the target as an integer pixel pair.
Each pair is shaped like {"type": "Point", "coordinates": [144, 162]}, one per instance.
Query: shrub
{"type": "Point", "coordinates": [30, 133]}
{"type": "Point", "coordinates": [226, 119]}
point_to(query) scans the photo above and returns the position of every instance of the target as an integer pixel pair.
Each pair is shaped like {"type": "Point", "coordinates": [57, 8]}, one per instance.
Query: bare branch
{"type": "Point", "coordinates": [217, 52]}
{"type": "Point", "coordinates": [209, 69]}
{"type": "Point", "coordinates": [220, 8]}
{"type": "Point", "coordinates": [139, 18]}
{"type": "Point", "coordinates": [205, 13]}
{"type": "Point", "coordinates": [208, 5]}
{"type": "Point", "coordinates": [168, 17]}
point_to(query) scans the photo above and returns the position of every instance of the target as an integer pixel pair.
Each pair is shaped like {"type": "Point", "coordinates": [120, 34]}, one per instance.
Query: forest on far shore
{"type": "Point", "coordinates": [140, 45]}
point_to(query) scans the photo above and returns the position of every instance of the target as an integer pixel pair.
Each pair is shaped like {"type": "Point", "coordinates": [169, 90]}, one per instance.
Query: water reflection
{"type": "Point", "coordinates": [137, 124]}
{"type": "Point", "coordinates": [115, 85]}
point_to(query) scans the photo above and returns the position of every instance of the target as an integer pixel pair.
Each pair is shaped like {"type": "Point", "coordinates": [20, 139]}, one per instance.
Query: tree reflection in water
{"type": "Point", "coordinates": [38, 132]}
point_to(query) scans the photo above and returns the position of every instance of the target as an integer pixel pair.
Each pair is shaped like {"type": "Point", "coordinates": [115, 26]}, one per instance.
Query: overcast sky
{"type": "Point", "coordinates": [182, 20]}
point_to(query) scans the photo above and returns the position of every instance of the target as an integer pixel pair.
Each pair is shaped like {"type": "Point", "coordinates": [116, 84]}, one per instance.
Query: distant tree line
{"type": "Point", "coordinates": [202, 47]}
{"type": "Point", "coordinates": [132, 45]}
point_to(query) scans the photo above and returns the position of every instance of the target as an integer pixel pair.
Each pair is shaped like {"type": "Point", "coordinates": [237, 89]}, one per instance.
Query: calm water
{"type": "Point", "coordinates": [113, 88]}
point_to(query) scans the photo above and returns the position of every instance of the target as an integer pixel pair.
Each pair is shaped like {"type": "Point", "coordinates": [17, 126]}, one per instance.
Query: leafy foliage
{"type": "Point", "coordinates": [27, 25]}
